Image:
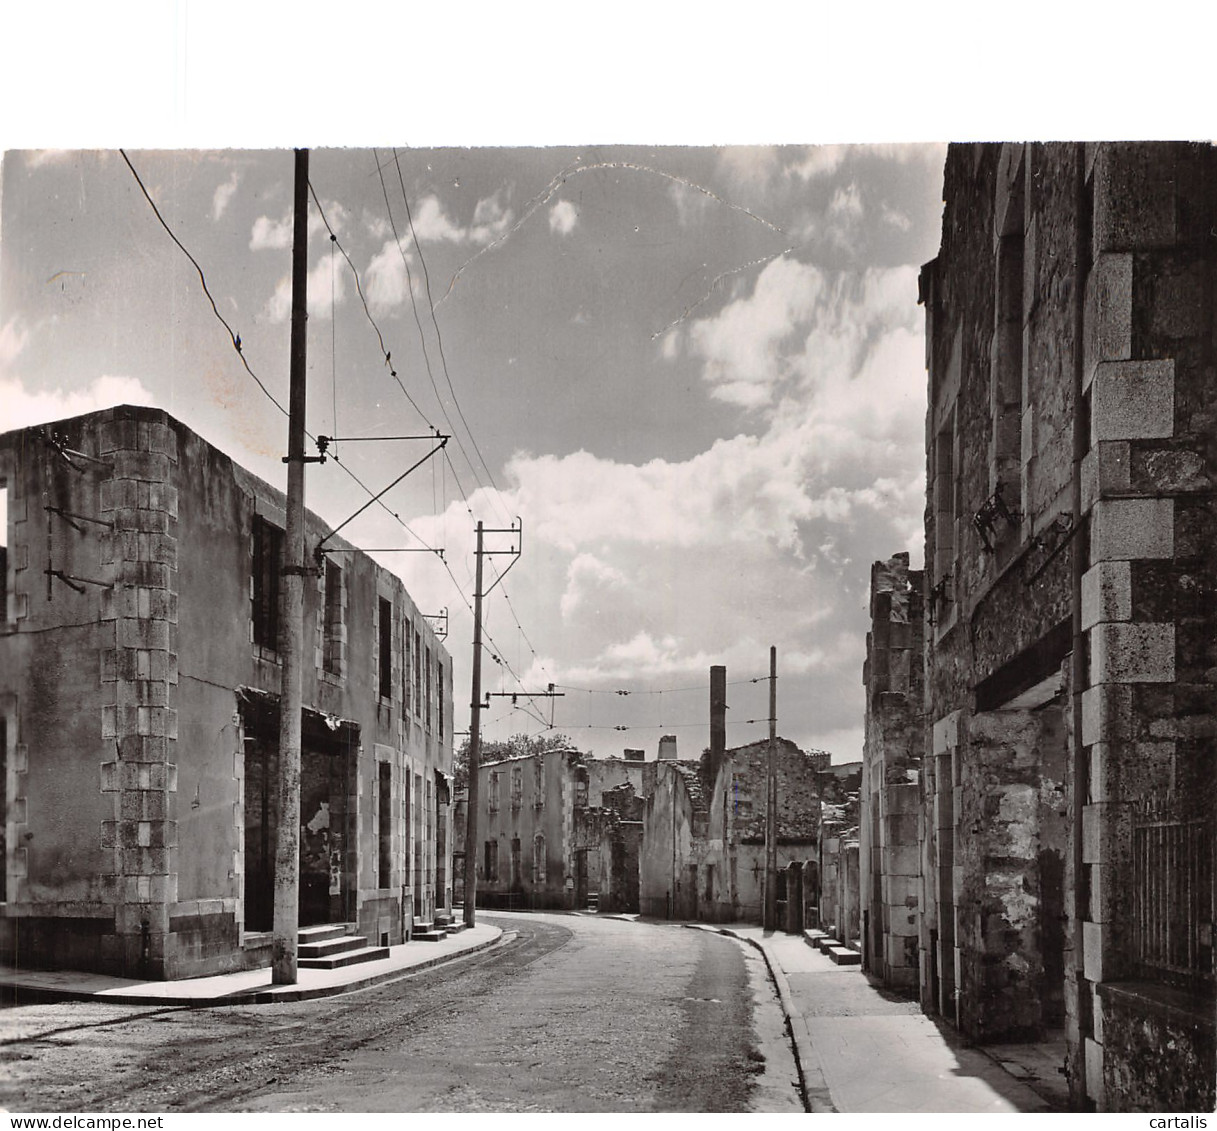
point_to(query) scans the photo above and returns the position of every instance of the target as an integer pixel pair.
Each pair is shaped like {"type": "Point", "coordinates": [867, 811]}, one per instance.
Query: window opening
{"type": "Point", "coordinates": [267, 569]}
{"type": "Point", "coordinates": [386, 649]}
{"type": "Point", "coordinates": [384, 812]}
{"type": "Point", "coordinates": [332, 652]}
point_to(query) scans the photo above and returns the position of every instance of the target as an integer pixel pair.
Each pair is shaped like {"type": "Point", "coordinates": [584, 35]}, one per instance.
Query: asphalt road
{"type": "Point", "coordinates": [568, 1013]}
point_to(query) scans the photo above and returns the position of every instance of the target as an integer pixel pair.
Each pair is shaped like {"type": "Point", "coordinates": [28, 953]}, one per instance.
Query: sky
{"type": "Point", "coordinates": [694, 373]}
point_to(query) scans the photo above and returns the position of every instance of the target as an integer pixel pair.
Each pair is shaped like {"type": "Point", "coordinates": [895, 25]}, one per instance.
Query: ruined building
{"type": "Point", "coordinates": [139, 713]}
{"type": "Point", "coordinates": [1068, 771]}
{"type": "Point", "coordinates": [556, 828]}
{"type": "Point", "coordinates": [889, 857]}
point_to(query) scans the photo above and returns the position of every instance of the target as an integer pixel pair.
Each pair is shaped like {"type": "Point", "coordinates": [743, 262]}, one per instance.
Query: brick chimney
{"type": "Point", "coordinates": [667, 748]}
{"type": "Point", "coordinates": [718, 719]}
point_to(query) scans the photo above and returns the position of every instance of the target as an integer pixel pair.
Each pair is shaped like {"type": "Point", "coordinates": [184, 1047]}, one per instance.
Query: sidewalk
{"type": "Point", "coordinates": [246, 987]}
{"type": "Point", "coordinates": [861, 1048]}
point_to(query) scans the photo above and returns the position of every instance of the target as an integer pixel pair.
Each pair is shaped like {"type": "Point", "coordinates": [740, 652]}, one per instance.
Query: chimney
{"type": "Point", "coordinates": [667, 748]}
{"type": "Point", "coordinates": [635, 755]}
{"type": "Point", "coordinates": [718, 715]}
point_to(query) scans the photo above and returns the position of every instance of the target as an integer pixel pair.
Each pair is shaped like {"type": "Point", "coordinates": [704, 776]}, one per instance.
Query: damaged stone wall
{"type": "Point", "coordinates": [1038, 889]}
{"type": "Point", "coordinates": [889, 862]}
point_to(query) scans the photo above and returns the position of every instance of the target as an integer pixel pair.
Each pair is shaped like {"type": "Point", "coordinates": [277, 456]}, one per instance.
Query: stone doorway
{"type": "Point", "coordinates": [327, 815]}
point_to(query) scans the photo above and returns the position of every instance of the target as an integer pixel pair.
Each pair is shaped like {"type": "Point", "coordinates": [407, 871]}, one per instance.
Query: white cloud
{"type": "Point", "coordinates": [691, 205]}
{"type": "Point", "coordinates": [270, 234]}
{"type": "Point", "coordinates": [895, 218]}
{"type": "Point", "coordinates": [223, 195]}
{"type": "Point", "coordinates": [490, 220]}
{"type": "Point", "coordinates": [385, 281]}
{"type": "Point", "coordinates": [326, 287]}
{"type": "Point", "coordinates": [563, 217]}
{"type": "Point", "coordinates": [23, 407]}
{"type": "Point", "coordinates": [846, 203]}
{"type": "Point", "coordinates": [276, 235]}
{"type": "Point", "coordinates": [744, 165]}
{"type": "Point", "coordinates": [740, 346]}
{"type": "Point", "coordinates": [432, 223]}
{"type": "Point", "coordinates": [818, 161]}
{"type": "Point", "coordinates": [13, 336]}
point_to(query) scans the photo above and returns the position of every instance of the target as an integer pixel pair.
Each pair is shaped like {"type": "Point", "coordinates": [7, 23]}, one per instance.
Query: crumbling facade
{"type": "Point", "coordinates": [889, 855]}
{"type": "Point", "coordinates": [704, 828]}
{"type": "Point", "coordinates": [554, 827]}
{"type": "Point", "coordinates": [1068, 772]}
{"type": "Point", "coordinates": [139, 692]}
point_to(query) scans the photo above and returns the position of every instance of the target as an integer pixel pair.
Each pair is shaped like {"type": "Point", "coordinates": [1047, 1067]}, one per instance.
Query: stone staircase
{"type": "Point", "coordinates": [833, 948]}
{"type": "Point", "coordinates": [427, 930]}
{"type": "Point", "coordinates": [331, 946]}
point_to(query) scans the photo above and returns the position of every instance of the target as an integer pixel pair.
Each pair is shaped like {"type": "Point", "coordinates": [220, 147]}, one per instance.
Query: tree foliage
{"type": "Point", "coordinates": [516, 746]}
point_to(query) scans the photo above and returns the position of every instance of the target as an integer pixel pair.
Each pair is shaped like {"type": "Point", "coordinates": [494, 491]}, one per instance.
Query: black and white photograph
{"type": "Point", "coordinates": [714, 619]}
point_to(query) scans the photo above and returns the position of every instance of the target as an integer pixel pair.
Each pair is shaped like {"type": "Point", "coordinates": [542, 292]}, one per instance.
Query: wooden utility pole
{"type": "Point", "coordinates": [475, 710]}
{"type": "Point", "coordinates": [771, 800]}
{"type": "Point", "coordinates": [475, 746]}
{"type": "Point", "coordinates": [291, 626]}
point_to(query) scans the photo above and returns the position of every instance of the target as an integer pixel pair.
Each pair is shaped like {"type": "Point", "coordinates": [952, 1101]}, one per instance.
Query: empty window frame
{"type": "Point", "coordinates": [490, 861]}
{"type": "Point", "coordinates": [418, 674]}
{"type": "Point", "coordinates": [384, 831]}
{"type": "Point", "coordinates": [538, 859]}
{"type": "Point", "coordinates": [264, 590]}
{"type": "Point", "coordinates": [439, 698]}
{"type": "Point", "coordinates": [331, 652]}
{"type": "Point", "coordinates": [385, 650]}
{"type": "Point", "coordinates": [406, 633]}
{"type": "Point", "coordinates": [427, 673]}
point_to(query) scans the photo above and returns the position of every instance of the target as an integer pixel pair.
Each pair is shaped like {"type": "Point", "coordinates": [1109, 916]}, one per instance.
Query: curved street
{"type": "Point", "coordinates": [568, 1013]}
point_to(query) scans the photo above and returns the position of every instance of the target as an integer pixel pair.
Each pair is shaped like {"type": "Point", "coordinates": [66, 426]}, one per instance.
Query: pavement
{"type": "Point", "coordinates": [861, 1048]}
{"type": "Point", "coordinates": [245, 987]}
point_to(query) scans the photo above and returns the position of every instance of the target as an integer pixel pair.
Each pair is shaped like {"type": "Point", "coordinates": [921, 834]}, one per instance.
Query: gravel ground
{"type": "Point", "coordinates": [570, 1013]}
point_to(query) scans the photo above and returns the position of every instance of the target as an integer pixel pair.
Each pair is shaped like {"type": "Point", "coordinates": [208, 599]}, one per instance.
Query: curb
{"type": "Point", "coordinates": [245, 997]}
{"type": "Point", "coordinates": [812, 1085]}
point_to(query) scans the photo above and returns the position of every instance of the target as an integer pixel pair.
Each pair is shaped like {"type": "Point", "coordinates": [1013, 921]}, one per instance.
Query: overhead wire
{"type": "Point", "coordinates": [439, 338]}
{"type": "Point", "coordinates": [236, 341]}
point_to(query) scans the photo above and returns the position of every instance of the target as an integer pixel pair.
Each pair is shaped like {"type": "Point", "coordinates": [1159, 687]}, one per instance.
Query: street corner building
{"type": "Point", "coordinates": [139, 713]}
{"type": "Point", "coordinates": [1061, 880]}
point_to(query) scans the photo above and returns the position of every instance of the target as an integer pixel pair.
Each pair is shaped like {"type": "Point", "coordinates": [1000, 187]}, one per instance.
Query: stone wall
{"type": "Point", "coordinates": [1070, 611]}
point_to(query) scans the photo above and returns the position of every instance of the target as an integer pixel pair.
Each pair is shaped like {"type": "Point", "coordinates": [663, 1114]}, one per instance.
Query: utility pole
{"type": "Point", "coordinates": [291, 629]}
{"type": "Point", "coordinates": [475, 713]}
{"type": "Point", "coordinates": [771, 800]}
{"type": "Point", "coordinates": [475, 746]}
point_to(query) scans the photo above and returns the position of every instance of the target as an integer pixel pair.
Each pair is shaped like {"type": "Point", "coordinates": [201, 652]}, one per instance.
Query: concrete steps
{"type": "Point", "coordinates": [843, 956]}
{"type": "Point", "coordinates": [427, 931]}
{"type": "Point", "coordinates": [331, 946]}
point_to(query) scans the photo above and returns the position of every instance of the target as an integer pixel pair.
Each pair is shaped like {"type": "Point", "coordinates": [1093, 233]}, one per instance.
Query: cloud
{"type": "Point", "coordinates": [268, 234]}
{"type": "Point", "coordinates": [748, 165]}
{"type": "Point", "coordinates": [691, 205]}
{"type": "Point", "coordinates": [818, 161]}
{"type": "Point", "coordinates": [563, 217]}
{"type": "Point", "coordinates": [740, 347]}
{"type": "Point", "coordinates": [36, 158]}
{"type": "Point", "coordinates": [385, 281]}
{"type": "Point", "coordinates": [846, 202]}
{"type": "Point", "coordinates": [13, 337]}
{"type": "Point", "coordinates": [23, 407]}
{"type": "Point", "coordinates": [326, 287]}
{"type": "Point", "coordinates": [223, 195]}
